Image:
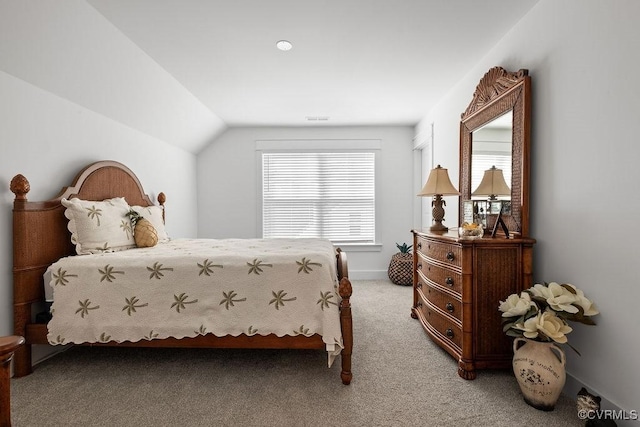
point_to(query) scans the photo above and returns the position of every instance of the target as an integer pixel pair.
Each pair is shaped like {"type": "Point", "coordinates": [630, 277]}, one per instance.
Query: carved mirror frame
{"type": "Point", "coordinates": [498, 92]}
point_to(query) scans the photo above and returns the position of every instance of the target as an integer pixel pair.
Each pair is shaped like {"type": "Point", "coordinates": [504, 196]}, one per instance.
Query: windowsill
{"type": "Point", "coordinates": [359, 247]}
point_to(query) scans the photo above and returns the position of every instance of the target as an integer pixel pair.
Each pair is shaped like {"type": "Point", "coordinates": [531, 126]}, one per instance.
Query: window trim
{"type": "Point", "coordinates": [323, 145]}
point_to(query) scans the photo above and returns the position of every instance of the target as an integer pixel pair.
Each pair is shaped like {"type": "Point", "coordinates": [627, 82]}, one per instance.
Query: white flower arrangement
{"type": "Point", "coordinates": [541, 312]}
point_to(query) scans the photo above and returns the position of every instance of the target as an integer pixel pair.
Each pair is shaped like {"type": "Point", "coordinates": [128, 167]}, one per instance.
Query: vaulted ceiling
{"type": "Point", "coordinates": [353, 62]}
{"type": "Point", "coordinates": [185, 70]}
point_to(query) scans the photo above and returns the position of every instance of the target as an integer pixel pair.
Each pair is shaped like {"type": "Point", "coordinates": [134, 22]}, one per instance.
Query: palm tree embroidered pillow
{"type": "Point", "coordinates": [98, 227]}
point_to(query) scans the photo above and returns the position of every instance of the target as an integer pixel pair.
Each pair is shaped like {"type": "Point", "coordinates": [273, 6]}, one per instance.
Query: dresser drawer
{"type": "Point", "coordinates": [444, 252]}
{"type": "Point", "coordinates": [445, 326]}
{"type": "Point", "coordinates": [442, 276]}
{"type": "Point", "coordinates": [442, 300]}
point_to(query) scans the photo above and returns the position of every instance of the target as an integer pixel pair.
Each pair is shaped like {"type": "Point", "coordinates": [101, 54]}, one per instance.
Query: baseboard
{"type": "Point", "coordinates": [622, 417]}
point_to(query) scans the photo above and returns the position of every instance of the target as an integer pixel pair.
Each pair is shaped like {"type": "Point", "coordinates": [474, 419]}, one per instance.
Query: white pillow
{"type": "Point", "coordinates": [98, 227]}
{"type": "Point", "coordinates": [153, 214]}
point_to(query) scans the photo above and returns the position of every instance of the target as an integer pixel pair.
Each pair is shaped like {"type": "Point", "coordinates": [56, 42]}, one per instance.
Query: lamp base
{"type": "Point", "coordinates": [438, 227]}
{"type": "Point", "coordinates": [438, 213]}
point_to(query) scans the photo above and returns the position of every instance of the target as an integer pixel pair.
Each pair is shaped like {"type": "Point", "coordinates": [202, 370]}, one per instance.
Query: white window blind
{"type": "Point", "coordinates": [319, 194]}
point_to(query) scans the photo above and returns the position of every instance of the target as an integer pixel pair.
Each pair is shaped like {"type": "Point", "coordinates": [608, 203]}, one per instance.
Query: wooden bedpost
{"type": "Point", "coordinates": [21, 300]}
{"type": "Point", "coordinates": [346, 322]}
{"type": "Point", "coordinates": [161, 199]}
{"type": "Point", "coordinates": [347, 329]}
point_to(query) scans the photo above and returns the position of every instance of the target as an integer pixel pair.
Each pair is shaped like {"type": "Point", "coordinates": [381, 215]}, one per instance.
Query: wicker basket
{"type": "Point", "coordinates": [401, 269]}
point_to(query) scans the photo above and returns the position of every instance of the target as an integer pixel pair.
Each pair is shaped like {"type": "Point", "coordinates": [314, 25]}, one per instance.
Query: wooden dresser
{"type": "Point", "coordinates": [458, 284]}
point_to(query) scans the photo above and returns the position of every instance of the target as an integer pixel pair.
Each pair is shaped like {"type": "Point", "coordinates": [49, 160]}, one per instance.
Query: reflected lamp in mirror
{"type": "Point", "coordinates": [492, 185]}
{"type": "Point", "coordinates": [438, 185]}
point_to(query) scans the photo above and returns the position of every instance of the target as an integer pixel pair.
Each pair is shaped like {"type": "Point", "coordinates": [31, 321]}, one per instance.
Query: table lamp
{"type": "Point", "coordinates": [438, 185]}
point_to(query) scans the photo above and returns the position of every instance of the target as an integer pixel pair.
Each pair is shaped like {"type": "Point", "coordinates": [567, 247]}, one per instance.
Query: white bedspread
{"type": "Point", "coordinates": [186, 287]}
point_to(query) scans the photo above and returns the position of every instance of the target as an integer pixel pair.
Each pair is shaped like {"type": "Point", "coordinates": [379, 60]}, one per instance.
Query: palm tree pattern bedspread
{"type": "Point", "coordinates": [189, 287]}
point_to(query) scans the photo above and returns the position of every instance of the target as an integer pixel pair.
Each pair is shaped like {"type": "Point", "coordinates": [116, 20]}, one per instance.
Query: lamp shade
{"type": "Point", "coordinates": [439, 183]}
{"type": "Point", "coordinates": [492, 184]}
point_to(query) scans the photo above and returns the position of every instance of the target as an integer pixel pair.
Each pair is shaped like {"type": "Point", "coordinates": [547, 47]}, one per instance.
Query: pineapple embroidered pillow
{"type": "Point", "coordinates": [99, 226]}
{"type": "Point", "coordinates": [145, 234]}
{"type": "Point", "coordinates": [154, 215]}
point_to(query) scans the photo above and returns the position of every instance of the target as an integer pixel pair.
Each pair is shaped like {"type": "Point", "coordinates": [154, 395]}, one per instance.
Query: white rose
{"type": "Point", "coordinates": [559, 298]}
{"type": "Point", "coordinates": [515, 305]}
{"type": "Point", "coordinates": [529, 328]}
{"type": "Point", "coordinates": [539, 290]}
{"type": "Point", "coordinates": [553, 327]}
{"type": "Point", "coordinates": [587, 305]}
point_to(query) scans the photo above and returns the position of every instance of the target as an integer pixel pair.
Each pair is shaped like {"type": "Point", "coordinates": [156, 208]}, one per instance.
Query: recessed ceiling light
{"type": "Point", "coordinates": [284, 45]}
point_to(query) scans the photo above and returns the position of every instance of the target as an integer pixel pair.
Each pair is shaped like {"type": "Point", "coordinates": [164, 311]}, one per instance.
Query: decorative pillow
{"type": "Point", "coordinates": [98, 227]}
{"type": "Point", "coordinates": [153, 214]}
{"type": "Point", "coordinates": [144, 233]}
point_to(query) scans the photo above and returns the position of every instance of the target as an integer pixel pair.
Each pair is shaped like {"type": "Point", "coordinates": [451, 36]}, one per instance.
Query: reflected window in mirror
{"type": "Point", "coordinates": [492, 147]}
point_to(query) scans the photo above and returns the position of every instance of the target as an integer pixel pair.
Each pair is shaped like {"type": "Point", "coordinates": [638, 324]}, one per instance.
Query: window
{"type": "Point", "coordinates": [319, 194]}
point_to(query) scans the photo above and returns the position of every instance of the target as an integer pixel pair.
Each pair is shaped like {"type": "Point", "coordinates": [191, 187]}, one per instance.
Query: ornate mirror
{"type": "Point", "coordinates": [494, 131]}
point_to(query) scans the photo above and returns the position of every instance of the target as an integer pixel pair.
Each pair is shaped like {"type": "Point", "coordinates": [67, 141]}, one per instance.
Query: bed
{"type": "Point", "coordinates": [43, 251]}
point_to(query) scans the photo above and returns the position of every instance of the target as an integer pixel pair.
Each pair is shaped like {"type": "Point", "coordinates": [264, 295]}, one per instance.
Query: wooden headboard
{"type": "Point", "coordinates": [40, 234]}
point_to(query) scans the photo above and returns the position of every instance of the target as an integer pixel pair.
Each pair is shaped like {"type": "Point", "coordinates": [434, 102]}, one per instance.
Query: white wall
{"type": "Point", "coordinates": [49, 139]}
{"type": "Point", "coordinates": [66, 100]}
{"type": "Point", "coordinates": [71, 50]}
{"type": "Point", "coordinates": [228, 187]}
{"type": "Point", "coordinates": [582, 56]}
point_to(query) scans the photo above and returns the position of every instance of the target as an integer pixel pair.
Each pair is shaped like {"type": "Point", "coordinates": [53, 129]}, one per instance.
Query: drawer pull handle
{"type": "Point", "coordinates": [419, 285]}
{"type": "Point", "coordinates": [419, 245]}
{"type": "Point", "coordinates": [419, 305]}
{"type": "Point", "coordinates": [449, 333]}
{"type": "Point", "coordinates": [449, 280]}
{"type": "Point", "coordinates": [450, 256]}
{"type": "Point", "coordinates": [449, 307]}
{"type": "Point", "coordinates": [419, 266]}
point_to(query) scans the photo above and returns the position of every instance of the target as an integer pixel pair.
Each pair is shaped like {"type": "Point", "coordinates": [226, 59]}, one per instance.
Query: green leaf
{"type": "Point", "coordinates": [507, 326]}
{"type": "Point", "coordinates": [531, 313]}
{"type": "Point", "coordinates": [404, 248]}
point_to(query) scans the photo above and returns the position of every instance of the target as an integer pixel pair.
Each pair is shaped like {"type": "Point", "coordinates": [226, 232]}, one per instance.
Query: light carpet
{"type": "Point", "coordinates": [400, 378]}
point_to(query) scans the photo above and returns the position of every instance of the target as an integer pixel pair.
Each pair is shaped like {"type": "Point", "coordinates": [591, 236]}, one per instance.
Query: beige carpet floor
{"type": "Point", "coordinates": [401, 378]}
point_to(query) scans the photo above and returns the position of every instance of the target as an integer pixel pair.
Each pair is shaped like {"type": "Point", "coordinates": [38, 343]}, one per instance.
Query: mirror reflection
{"type": "Point", "coordinates": [491, 146]}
